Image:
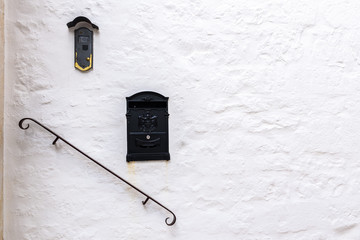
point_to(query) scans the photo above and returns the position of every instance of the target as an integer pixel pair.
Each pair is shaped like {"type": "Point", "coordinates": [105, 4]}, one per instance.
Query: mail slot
{"type": "Point", "coordinates": [147, 127]}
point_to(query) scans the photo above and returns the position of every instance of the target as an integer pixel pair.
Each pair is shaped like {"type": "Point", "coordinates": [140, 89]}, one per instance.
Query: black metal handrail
{"type": "Point", "coordinates": [58, 137]}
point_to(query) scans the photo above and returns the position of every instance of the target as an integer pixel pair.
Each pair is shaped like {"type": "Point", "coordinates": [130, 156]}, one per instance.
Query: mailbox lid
{"type": "Point", "coordinates": [148, 100]}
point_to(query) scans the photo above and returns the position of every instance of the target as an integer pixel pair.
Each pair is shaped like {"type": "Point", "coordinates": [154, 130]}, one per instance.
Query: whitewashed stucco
{"type": "Point", "coordinates": [264, 103]}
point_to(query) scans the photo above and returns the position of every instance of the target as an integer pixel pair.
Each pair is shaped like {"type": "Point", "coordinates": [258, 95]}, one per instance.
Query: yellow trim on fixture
{"type": "Point", "coordinates": [81, 68]}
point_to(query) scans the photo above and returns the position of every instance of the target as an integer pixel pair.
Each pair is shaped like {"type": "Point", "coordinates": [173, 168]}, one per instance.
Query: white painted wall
{"type": "Point", "coordinates": [264, 120]}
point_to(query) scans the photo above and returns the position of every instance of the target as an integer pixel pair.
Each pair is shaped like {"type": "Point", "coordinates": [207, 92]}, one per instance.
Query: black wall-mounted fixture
{"type": "Point", "coordinates": [83, 54]}
{"type": "Point", "coordinates": [147, 127]}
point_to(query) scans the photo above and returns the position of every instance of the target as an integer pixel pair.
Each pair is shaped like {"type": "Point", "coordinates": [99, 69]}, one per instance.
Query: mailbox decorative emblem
{"type": "Point", "coordinates": [147, 122]}
{"type": "Point", "coordinates": [147, 127]}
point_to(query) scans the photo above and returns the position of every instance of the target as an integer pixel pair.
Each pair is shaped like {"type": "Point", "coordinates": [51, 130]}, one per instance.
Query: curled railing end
{"type": "Point", "coordinates": [21, 123]}
{"type": "Point", "coordinates": [172, 222]}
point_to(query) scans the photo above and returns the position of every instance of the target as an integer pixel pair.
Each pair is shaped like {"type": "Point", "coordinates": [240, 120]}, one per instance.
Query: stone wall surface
{"type": "Point", "coordinates": [264, 103]}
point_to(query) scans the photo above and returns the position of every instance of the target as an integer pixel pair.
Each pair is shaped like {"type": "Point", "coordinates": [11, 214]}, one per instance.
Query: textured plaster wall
{"type": "Point", "coordinates": [2, 44]}
{"type": "Point", "coordinates": [264, 120]}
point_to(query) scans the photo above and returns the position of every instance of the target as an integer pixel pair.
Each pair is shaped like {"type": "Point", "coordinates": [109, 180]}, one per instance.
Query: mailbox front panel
{"type": "Point", "coordinates": [147, 127]}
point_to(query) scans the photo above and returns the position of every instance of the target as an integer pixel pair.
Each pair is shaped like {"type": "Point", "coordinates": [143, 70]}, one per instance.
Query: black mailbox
{"type": "Point", "coordinates": [147, 127]}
